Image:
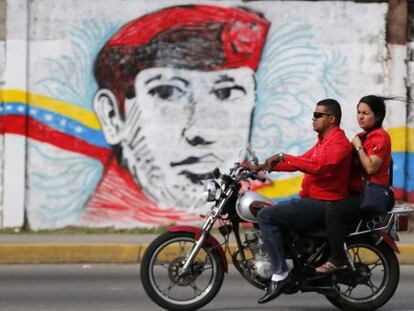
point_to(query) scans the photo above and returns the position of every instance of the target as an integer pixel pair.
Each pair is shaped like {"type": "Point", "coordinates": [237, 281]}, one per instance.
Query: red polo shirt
{"type": "Point", "coordinates": [377, 142]}
{"type": "Point", "coordinates": [326, 166]}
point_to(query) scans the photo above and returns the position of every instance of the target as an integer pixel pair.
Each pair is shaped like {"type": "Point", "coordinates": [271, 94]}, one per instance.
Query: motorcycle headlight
{"type": "Point", "coordinates": [212, 190]}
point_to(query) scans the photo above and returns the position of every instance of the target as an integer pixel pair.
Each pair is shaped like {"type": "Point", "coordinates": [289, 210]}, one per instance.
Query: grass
{"type": "Point", "coordinates": [108, 230]}
{"type": "Point", "coordinates": [82, 230]}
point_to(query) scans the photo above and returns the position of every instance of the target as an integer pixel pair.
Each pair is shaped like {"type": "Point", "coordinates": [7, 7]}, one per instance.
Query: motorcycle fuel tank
{"type": "Point", "coordinates": [250, 203]}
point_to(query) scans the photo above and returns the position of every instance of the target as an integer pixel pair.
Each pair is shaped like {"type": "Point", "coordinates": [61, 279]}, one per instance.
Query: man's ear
{"type": "Point", "coordinates": [333, 119]}
{"type": "Point", "coordinates": [106, 108]}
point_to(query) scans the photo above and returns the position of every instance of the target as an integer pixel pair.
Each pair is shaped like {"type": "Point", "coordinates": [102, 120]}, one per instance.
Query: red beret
{"type": "Point", "coordinates": [243, 35]}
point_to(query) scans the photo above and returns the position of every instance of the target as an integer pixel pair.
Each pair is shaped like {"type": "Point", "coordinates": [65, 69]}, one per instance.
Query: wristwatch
{"type": "Point", "coordinates": [359, 148]}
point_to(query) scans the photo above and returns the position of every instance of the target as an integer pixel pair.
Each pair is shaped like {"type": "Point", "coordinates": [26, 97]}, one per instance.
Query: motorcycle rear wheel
{"type": "Point", "coordinates": [379, 276]}
{"type": "Point", "coordinates": [160, 268]}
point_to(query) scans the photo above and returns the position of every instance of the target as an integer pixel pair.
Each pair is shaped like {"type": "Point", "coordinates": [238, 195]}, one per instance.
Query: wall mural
{"type": "Point", "coordinates": [124, 128]}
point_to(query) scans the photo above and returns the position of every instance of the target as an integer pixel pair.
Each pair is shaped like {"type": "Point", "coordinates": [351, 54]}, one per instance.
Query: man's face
{"type": "Point", "coordinates": [322, 120]}
{"type": "Point", "coordinates": [181, 125]}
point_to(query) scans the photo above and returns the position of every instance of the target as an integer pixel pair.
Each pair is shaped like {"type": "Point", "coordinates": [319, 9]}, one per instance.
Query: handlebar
{"type": "Point", "coordinates": [246, 173]}
{"type": "Point", "coordinates": [239, 172]}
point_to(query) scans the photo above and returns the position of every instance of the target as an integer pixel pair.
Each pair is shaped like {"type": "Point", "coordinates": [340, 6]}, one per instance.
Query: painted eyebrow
{"type": "Point", "coordinates": [152, 79]}
{"type": "Point", "coordinates": [224, 78]}
{"type": "Point", "coordinates": [158, 77]}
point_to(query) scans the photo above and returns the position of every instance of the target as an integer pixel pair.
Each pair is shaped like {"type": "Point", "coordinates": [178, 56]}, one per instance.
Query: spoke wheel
{"type": "Point", "coordinates": [374, 281]}
{"type": "Point", "coordinates": [164, 280]}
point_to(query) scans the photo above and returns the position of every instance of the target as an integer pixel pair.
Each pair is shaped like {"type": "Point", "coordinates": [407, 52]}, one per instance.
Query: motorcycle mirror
{"type": "Point", "coordinates": [251, 153]}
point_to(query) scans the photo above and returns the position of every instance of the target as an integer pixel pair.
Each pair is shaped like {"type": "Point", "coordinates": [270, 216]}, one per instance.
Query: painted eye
{"type": "Point", "coordinates": [166, 92]}
{"type": "Point", "coordinates": [229, 93]}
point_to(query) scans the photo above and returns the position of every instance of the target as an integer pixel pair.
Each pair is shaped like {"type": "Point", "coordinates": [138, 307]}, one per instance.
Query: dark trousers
{"type": "Point", "coordinates": [295, 215]}
{"type": "Point", "coordinates": [339, 216]}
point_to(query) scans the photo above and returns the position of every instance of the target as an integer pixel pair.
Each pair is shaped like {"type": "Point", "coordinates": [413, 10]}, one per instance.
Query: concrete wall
{"type": "Point", "coordinates": [168, 111]}
{"type": "Point", "coordinates": [410, 93]}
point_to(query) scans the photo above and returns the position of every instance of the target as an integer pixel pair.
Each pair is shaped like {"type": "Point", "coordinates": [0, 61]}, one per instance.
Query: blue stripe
{"type": "Point", "coordinates": [399, 169]}
{"type": "Point", "coordinates": [58, 122]}
{"type": "Point", "coordinates": [410, 172]}
{"type": "Point", "coordinates": [282, 199]}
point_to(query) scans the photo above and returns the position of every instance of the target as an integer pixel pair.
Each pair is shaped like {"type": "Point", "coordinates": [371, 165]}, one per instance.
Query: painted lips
{"type": "Point", "coordinates": [195, 178]}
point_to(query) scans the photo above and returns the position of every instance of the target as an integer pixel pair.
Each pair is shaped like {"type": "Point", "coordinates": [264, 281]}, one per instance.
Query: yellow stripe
{"type": "Point", "coordinates": [398, 138]}
{"type": "Point", "coordinates": [82, 115]}
{"type": "Point", "coordinates": [282, 188]}
{"type": "Point", "coordinates": [410, 139]}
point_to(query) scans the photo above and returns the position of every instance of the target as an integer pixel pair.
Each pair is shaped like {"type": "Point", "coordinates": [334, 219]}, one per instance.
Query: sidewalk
{"type": "Point", "coordinates": [23, 248]}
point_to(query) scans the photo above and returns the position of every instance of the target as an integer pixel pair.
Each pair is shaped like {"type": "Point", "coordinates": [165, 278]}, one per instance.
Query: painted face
{"type": "Point", "coordinates": [321, 119]}
{"type": "Point", "coordinates": [181, 125]}
{"type": "Point", "coordinates": [366, 117]}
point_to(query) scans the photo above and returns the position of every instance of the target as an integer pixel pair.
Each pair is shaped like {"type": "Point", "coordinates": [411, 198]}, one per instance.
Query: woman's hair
{"type": "Point", "coordinates": [377, 105]}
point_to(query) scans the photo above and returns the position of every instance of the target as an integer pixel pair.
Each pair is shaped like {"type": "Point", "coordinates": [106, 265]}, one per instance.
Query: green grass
{"type": "Point", "coordinates": [81, 230]}
{"type": "Point", "coordinates": [107, 230]}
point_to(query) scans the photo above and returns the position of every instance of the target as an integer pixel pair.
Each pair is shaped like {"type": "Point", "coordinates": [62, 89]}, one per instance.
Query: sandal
{"type": "Point", "coordinates": [328, 267]}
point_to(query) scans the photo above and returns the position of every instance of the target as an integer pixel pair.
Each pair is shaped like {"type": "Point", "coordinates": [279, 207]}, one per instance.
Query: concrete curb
{"type": "Point", "coordinates": [49, 253]}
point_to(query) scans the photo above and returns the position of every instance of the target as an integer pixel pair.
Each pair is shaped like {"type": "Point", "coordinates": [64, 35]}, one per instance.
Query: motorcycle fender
{"type": "Point", "coordinates": [389, 241]}
{"type": "Point", "coordinates": [210, 240]}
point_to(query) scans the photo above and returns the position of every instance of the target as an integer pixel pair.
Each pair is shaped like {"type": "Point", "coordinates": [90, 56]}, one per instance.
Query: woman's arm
{"type": "Point", "coordinates": [371, 163]}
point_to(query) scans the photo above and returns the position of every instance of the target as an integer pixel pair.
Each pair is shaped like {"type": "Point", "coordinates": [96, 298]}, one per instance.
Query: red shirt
{"type": "Point", "coordinates": [326, 166]}
{"type": "Point", "coordinates": [118, 201]}
{"type": "Point", "coordinates": [377, 142]}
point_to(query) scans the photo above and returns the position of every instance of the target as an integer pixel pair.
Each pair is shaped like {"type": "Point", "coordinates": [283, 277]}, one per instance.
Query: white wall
{"type": "Point", "coordinates": [314, 50]}
{"type": "Point", "coordinates": [2, 68]}
{"type": "Point", "coordinates": [2, 65]}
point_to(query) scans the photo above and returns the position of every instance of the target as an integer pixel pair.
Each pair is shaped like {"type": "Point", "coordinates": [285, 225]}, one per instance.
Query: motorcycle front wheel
{"type": "Point", "coordinates": [161, 278]}
{"type": "Point", "coordinates": [374, 282]}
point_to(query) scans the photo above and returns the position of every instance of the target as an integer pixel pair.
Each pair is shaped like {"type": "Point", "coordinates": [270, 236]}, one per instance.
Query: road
{"type": "Point", "coordinates": [117, 287]}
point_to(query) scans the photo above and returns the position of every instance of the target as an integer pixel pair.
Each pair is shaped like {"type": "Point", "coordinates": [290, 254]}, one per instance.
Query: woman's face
{"type": "Point", "coordinates": [183, 124]}
{"type": "Point", "coordinates": [365, 116]}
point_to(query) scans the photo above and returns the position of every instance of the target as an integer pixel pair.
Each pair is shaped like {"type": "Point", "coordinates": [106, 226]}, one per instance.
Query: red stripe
{"type": "Point", "coordinates": [410, 196]}
{"type": "Point", "coordinates": [17, 124]}
{"type": "Point", "coordinates": [399, 193]}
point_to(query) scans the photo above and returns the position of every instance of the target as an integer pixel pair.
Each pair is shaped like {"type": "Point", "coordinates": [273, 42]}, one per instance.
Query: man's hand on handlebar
{"type": "Point", "coordinates": [267, 165]}
{"type": "Point", "coordinates": [273, 160]}
{"type": "Point", "coordinates": [254, 167]}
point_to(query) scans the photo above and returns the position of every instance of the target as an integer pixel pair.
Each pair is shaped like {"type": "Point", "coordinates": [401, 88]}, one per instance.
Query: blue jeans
{"type": "Point", "coordinates": [295, 215]}
{"type": "Point", "coordinates": [339, 216]}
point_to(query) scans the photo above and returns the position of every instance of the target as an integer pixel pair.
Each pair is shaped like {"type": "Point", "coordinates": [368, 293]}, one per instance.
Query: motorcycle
{"type": "Point", "coordinates": [183, 269]}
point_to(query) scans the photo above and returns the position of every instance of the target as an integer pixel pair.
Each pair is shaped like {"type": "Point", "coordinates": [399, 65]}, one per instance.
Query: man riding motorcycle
{"type": "Point", "coordinates": [183, 269]}
{"type": "Point", "coordinates": [327, 170]}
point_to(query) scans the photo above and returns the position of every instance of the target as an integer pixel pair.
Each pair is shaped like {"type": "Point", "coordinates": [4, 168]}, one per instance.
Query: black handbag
{"type": "Point", "coordinates": [377, 198]}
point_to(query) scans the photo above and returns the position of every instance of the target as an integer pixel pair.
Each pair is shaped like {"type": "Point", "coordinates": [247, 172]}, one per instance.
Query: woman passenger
{"type": "Point", "coordinates": [372, 160]}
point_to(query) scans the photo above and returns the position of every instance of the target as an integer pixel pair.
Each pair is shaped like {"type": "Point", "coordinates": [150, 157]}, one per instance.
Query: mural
{"type": "Point", "coordinates": [124, 126]}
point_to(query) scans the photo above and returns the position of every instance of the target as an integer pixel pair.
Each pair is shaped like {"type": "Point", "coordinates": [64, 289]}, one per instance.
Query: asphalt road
{"type": "Point", "coordinates": [117, 287]}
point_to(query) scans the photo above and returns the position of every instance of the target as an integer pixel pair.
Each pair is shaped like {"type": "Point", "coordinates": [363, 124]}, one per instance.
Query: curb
{"type": "Point", "coordinates": [69, 253]}
{"type": "Point", "coordinates": [106, 253]}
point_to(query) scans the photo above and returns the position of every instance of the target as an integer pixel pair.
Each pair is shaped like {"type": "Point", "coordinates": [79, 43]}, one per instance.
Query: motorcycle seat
{"type": "Point", "coordinates": [367, 222]}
